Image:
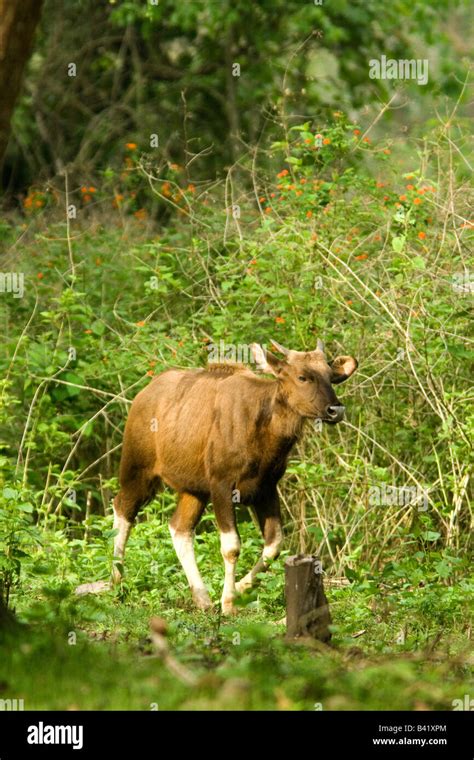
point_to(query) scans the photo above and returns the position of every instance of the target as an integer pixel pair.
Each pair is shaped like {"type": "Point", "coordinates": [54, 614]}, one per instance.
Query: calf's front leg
{"type": "Point", "coordinates": [268, 515]}
{"type": "Point", "coordinates": [230, 543]}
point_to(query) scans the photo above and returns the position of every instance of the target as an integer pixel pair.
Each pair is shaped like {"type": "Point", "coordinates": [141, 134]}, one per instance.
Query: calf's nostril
{"type": "Point", "coordinates": [335, 411]}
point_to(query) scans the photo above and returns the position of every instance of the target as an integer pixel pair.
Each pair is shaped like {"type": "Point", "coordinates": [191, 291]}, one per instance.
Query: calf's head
{"type": "Point", "coordinates": [306, 379]}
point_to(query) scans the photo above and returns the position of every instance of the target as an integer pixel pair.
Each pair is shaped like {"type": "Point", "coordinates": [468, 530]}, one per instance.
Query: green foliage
{"type": "Point", "coordinates": [294, 57]}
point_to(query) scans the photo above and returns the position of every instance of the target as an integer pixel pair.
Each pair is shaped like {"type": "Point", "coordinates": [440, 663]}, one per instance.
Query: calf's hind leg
{"type": "Point", "coordinates": [134, 493]}
{"type": "Point", "coordinates": [182, 527]}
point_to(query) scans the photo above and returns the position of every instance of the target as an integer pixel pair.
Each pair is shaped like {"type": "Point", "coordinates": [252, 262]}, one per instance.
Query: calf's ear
{"type": "Point", "coordinates": [264, 360]}
{"type": "Point", "coordinates": [342, 368]}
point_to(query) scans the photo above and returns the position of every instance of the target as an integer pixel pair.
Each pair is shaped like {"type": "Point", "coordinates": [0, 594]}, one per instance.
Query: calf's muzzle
{"type": "Point", "coordinates": [335, 412]}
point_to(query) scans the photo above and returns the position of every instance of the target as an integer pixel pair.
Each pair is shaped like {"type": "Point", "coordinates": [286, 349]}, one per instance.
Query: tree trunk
{"type": "Point", "coordinates": [18, 21]}
{"type": "Point", "coordinates": [307, 609]}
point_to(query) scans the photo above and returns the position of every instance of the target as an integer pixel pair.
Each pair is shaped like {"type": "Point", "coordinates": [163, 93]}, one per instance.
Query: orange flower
{"type": "Point", "coordinates": [261, 200]}
{"type": "Point", "coordinates": [98, 262]}
{"type": "Point", "coordinates": [140, 324]}
{"type": "Point", "coordinates": [303, 181]}
{"type": "Point", "coordinates": [422, 235]}
{"type": "Point", "coordinates": [140, 214]}
{"type": "Point", "coordinates": [92, 189]}
{"type": "Point", "coordinates": [410, 187]}
{"type": "Point", "coordinates": [174, 167]}
{"type": "Point", "coordinates": [356, 132]}
{"type": "Point", "coordinates": [272, 195]}
{"type": "Point", "coordinates": [361, 257]}
{"type": "Point", "coordinates": [152, 363]}
{"type": "Point", "coordinates": [309, 214]}
{"type": "Point", "coordinates": [326, 141]}
{"type": "Point", "coordinates": [402, 197]}
{"type": "Point", "coordinates": [387, 151]}
{"type": "Point", "coordinates": [386, 198]}
{"type": "Point", "coordinates": [86, 198]}
{"type": "Point", "coordinates": [150, 373]}
{"type": "Point", "coordinates": [417, 201]}
{"type": "Point", "coordinates": [380, 184]}
{"type": "Point", "coordinates": [349, 302]}
{"type": "Point", "coordinates": [268, 210]}
{"type": "Point", "coordinates": [88, 332]}
{"type": "Point", "coordinates": [283, 173]}
{"type": "Point", "coordinates": [253, 262]}
{"type": "Point", "coordinates": [279, 320]}
{"type": "Point", "coordinates": [366, 139]}
{"type": "Point", "coordinates": [83, 189]}
{"type": "Point", "coordinates": [38, 203]}
{"type": "Point", "coordinates": [314, 236]}
{"type": "Point", "coordinates": [40, 275]}
{"type": "Point", "coordinates": [191, 188]}
{"type": "Point", "coordinates": [117, 200]}
{"type": "Point", "coordinates": [131, 146]}
{"type": "Point", "coordinates": [308, 140]}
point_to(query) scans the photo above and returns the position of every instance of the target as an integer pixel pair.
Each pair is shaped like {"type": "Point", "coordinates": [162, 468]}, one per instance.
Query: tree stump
{"type": "Point", "coordinates": [307, 609]}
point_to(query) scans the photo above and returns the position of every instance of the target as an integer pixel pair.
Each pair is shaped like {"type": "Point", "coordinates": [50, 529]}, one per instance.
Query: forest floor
{"type": "Point", "coordinates": [392, 648]}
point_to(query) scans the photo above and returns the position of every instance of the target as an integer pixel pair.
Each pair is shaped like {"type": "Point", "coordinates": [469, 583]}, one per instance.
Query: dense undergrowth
{"type": "Point", "coordinates": [359, 242]}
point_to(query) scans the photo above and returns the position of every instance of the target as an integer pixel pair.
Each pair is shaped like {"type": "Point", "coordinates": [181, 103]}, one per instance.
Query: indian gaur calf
{"type": "Point", "coordinates": [222, 434]}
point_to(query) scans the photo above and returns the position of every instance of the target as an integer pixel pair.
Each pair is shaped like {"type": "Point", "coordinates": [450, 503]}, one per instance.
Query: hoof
{"type": "Point", "coordinates": [98, 587]}
{"type": "Point", "coordinates": [202, 600]}
{"type": "Point", "coordinates": [242, 586]}
{"type": "Point", "coordinates": [228, 609]}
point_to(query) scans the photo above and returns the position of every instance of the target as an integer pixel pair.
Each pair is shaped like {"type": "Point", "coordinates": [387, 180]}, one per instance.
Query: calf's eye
{"type": "Point", "coordinates": [302, 379]}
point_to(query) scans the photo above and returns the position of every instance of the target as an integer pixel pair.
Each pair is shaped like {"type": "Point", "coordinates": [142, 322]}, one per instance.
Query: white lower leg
{"type": "Point", "coordinates": [124, 527]}
{"type": "Point", "coordinates": [270, 551]}
{"type": "Point", "coordinates": [230, 550]}
{"type": "Point", "coordinates": [183, 546]}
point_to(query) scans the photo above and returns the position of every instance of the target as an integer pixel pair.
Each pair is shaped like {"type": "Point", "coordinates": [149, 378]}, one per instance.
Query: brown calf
{"type": "Point", "coordinates": [222, 434]}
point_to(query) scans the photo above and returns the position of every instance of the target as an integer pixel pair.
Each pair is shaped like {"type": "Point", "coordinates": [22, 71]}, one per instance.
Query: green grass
{"type": "Point", "coordinates": [392, 647]}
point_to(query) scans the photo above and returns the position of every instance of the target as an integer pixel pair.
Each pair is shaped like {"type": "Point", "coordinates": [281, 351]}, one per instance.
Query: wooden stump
{"type": "Point", "coordinates": [307, 609]}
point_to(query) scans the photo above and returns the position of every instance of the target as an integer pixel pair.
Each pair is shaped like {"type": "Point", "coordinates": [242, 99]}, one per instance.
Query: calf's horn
{"type": "Point", "coordinates": [279, 347]}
